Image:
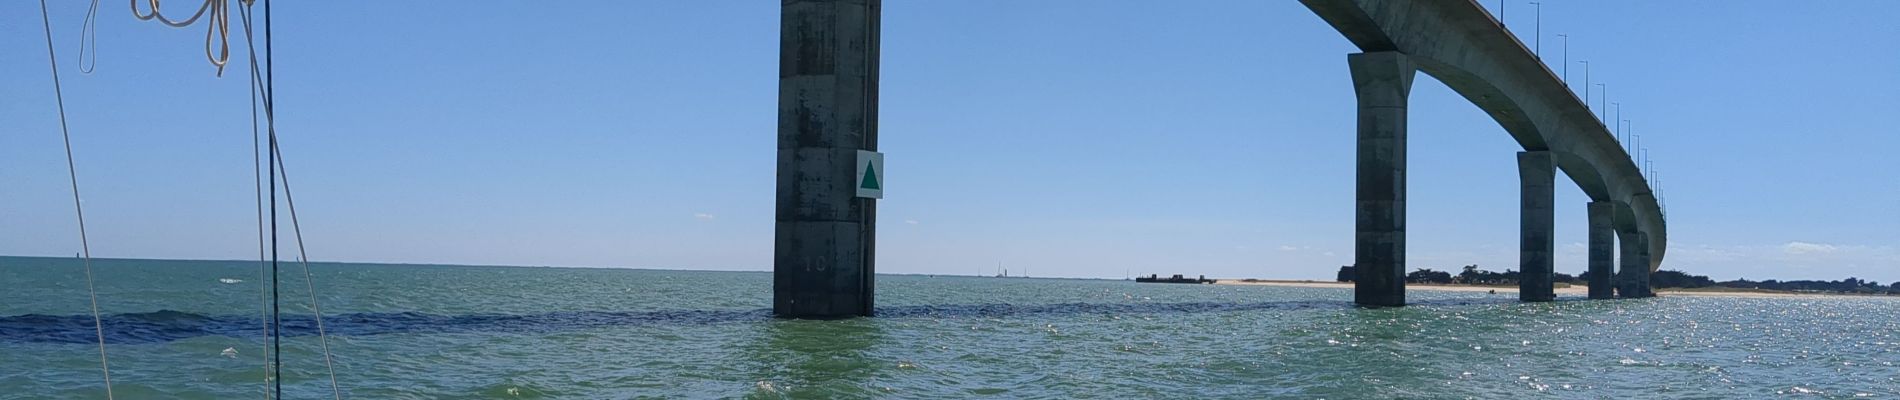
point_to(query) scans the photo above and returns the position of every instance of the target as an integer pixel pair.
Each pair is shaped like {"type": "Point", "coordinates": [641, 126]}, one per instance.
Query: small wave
{"type": "Point", "coordinates": [169, 325]}
{"type": "Point", "coordinates": [229, 280]}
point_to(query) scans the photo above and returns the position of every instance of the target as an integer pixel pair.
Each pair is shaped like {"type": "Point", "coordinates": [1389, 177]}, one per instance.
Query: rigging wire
{"type": "Point", "coordinates": [257, 187]}
{"type": "Point", "coordinates": [72, 175]}
{"type": "Point", "coordinates": [270, 128]}
{"type": "Point", "coordinates": [281, 173]}
{"type": "Point", "coordinates": [273, 337]}
{"type": "Point", "coordinates": [304, 259]}
{"type": "Point", "coordinates": [278, 173]}
{"type": "Point", "coordinates": [220, 26]}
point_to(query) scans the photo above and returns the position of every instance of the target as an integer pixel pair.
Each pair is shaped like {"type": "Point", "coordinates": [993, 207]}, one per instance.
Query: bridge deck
{"type": "Point", "coordinates": [1460, 44]}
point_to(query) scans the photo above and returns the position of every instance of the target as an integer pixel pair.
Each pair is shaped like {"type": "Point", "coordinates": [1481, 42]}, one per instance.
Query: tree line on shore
{"type": "Point", "coordinates": [1472, 275]}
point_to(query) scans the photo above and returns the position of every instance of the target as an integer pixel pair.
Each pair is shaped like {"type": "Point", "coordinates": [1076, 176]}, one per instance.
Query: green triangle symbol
{"type": "Point", "coordinates": [870, 179]}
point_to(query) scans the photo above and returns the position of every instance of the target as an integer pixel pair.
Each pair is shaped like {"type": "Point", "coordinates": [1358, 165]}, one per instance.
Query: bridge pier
{"type": "Point", "coordinates": [1536, 216]}
{"type": "Point", "coordinates": [822, 261]}
{"type": "Point", "coordinates": [1382, 82]}
{"type": "Point", "coordinates": [1633, 280]}
{"type": "Point", "coordinates": [1602, 250]}
{"type": "Point", "coordinates": [1642, 271]}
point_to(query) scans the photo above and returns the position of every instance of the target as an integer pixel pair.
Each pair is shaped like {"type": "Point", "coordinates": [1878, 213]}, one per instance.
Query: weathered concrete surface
{"type": "Point", "coordinates": [1632, 280]}
{"type": "Point", "coordinates": [1602, 239]}
{"type": "Point", "coordinates": [1646, 266]}
{"type": "Point", "coordinates": [824, 238]}
{"type": "Point", "coordinates": [1537, 179]}
{"type": "Point", "coordinates": [1459, 43]}
{"type": "Point", "coordinates": [1383, 83]}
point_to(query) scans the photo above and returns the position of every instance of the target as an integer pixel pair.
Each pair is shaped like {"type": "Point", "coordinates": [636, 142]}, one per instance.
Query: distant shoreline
{"type": "Point", "coordinates": [1571, 290]}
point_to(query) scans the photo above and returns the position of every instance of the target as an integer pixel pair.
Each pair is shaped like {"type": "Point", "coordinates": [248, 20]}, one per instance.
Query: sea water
{"type": "Point", "coordinates": [192, 330]}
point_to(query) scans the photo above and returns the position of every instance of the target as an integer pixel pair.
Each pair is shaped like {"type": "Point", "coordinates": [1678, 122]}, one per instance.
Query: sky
{"type": "Point", "coordinates": [1058, 138]}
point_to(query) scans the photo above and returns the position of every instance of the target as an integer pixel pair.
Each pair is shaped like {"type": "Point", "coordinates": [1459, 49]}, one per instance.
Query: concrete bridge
{"type": "Point", "coordinates": [828, 75]}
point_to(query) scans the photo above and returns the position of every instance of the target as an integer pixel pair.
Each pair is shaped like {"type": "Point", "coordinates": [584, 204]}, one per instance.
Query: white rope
{"type": "Point", "coordinates": [72, 174]}
{"type": "Point", "coordinates": [220, 26]}
{"type": "Point", "coordinates": [89, 38]}
{"type": "Point", "coordinates": [167, 21]}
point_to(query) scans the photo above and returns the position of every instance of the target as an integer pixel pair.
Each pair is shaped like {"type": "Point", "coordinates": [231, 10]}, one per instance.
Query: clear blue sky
{"type": "Point", "coordinates": [1069, 138]}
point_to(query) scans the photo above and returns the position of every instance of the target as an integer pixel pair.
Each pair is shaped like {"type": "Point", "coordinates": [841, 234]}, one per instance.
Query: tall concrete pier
{"type": "Point", "coordinates": [1468, 50]}
{"type": "Point", "coordinates": [1602, 249]}
{"type": "Point", "coordinates": [827, 110]}
{"type": "Point", "coordinates": [1536, 216]}
{"type": "Point", "coordinates": [1383, 83]}
{"type": "Point", "coordinates": [1644, 267]}
{"type": "Point", "coordinates": [1632, 281]}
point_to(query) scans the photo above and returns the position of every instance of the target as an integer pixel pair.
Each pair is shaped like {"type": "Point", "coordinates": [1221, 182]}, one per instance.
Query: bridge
{"type": "Point", "coordinates": [825, 236]}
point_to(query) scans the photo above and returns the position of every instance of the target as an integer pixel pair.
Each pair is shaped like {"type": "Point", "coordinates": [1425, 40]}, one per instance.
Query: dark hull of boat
{"type": "Point", "coordinates": [1172, 280]}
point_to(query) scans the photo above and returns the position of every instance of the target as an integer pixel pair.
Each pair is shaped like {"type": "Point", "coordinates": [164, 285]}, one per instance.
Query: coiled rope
{"type": "Point", "coordinates": [89, 38]}
{"type": "Point", "coordinates": [220, 28]}
{"type": "Point", "coordinates": [72, 174]}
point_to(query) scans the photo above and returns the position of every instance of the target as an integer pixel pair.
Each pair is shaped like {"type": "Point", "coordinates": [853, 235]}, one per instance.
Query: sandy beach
{"type": "Point", "coordinates": [1578, 290]}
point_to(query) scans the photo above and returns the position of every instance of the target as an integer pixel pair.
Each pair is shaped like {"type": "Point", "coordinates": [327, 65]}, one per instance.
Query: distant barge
{"type": "Point", "coordinates": [1177, 278]}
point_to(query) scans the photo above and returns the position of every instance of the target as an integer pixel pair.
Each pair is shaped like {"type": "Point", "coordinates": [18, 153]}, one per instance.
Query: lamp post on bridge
{"type": "Point", "coordinates": [1628, 147]}
{"type": "Point", "coordinates": [1539, 49]}
{"type": "Point", "coordinates": [1566, 41]}
{"type": "Point", "coordinates": [1586, 82]}
{"type": "Point", "coordinates": [1624, 124]}
{"type": "Point", "coordinates": [1619, 117]}
{"type": "Point", "coordinates": [1636, 151]}
{"type": "Point", "coordinates": [1662, 197]}
{"type": "Point", "coordinates": [1603, 102]}
{"type": "Point", "coordinates": [1648, 165]}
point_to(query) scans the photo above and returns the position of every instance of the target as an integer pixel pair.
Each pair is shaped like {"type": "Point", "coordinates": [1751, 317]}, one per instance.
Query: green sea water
{"type": "Point", "coordinates": [424, 332]}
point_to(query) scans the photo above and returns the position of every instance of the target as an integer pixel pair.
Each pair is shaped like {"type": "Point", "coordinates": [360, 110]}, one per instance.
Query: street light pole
{"type": "Point", "coordinates": [1629, 146]}
{"type": "Point", "coordinates": [1636, 151]}
{"type": "Point", "coordinates": [1500, 13]}
{"type": "Point", "coordinates": [1619, 116]}
{"type": "Point", "coordinates": [1539, 50]}
{"type": "Point", "coordinates": [1566, 39]}
{"type": "Point", "coordinates": [1661, 195]}
{"type": "Point", "coordinates": [1603, 102]}
{"type": "Point", "coordinates": [1586, 82]}
{"type": "Point", "coordinates": [1620, 138]}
